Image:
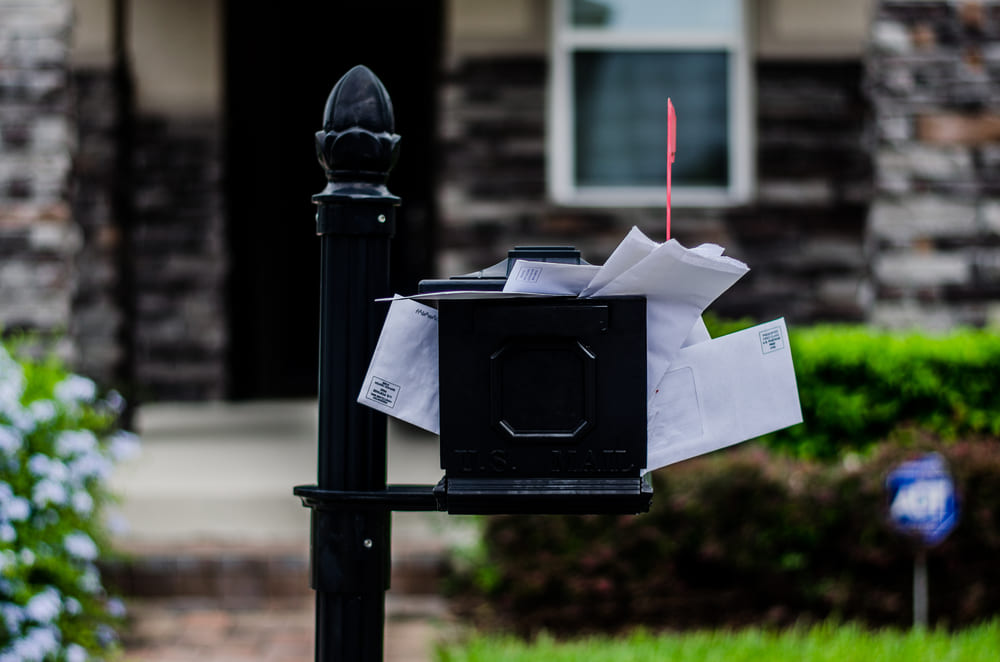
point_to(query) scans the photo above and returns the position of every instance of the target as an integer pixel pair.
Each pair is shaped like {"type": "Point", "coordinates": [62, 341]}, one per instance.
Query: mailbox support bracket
{"type": "Point", "coordinates": [472, 496]}
{"type": "Point", "coordinates": [404, 498]}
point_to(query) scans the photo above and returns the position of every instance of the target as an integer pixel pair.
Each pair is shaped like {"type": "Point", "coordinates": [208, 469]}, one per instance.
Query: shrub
{"type": "Point", "coordinates": [857, 385]}
{"type": "Point", "coordinates": [57, 446]}
{"type": "Point", "coordinates": [741, 537]}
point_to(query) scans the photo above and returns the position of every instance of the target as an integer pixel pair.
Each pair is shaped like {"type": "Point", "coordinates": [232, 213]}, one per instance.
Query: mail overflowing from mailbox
{"type": "Point", "coordinates": [703, 394]}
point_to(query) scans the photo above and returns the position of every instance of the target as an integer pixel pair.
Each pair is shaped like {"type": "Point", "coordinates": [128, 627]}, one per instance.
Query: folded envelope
{"type": "Point", "coordinates": [678, 283]}
{"type": "Point", "coordinates": [632, 248]}
{"type": "Point", "coordinates": [721, 392]}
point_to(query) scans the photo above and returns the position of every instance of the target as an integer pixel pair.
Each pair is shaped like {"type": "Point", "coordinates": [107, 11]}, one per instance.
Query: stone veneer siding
{"type": "Point", "coordinates": [179, 259]}
{"type": "Point", "coordinates": [802, 235]}
{"type": "Point", "coordinates": [38, 241]}
{"type": "Point", "coordinates": [62, 239]}
{"type": "Point", "coordinates": [933, 76]}
{"type": "Point", "coordinates": [98, 321]}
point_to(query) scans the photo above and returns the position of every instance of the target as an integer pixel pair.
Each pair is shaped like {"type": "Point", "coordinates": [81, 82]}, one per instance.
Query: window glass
{"type": "Point", "coordinates": [655, 14]}
{"type": "Point", "coordinates": [620, 101]}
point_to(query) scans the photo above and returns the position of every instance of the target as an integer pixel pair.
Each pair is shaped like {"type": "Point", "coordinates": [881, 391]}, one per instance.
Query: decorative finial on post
{"type": "Point", "coordinates": [357, 146]}
{"type": "Point", "coordinates": [355, 219]}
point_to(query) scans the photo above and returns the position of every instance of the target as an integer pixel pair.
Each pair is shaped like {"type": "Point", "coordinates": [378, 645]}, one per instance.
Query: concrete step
{"type": "Point", "coordinates": [241, 575]}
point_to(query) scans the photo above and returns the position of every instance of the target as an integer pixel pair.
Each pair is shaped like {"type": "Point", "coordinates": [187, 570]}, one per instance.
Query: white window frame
{"type": "Point", "coordinates": [561, 122]}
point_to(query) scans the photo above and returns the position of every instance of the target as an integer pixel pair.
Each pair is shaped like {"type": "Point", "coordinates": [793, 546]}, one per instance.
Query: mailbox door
{"type": "Point", "coordinates": [548, 388]}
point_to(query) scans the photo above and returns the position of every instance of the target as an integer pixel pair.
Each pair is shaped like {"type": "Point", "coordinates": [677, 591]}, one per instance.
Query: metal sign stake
{"type": "Point", "coordinates": [920, 589]}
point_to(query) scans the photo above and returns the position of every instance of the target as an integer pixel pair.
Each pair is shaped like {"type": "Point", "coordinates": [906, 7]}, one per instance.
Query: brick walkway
{"type": "Point", "coordinates": [187, 630]}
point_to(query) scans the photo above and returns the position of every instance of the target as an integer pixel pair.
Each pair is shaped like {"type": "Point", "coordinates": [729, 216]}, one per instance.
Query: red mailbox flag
{"type": "Point", "coordinates": [671, 152]}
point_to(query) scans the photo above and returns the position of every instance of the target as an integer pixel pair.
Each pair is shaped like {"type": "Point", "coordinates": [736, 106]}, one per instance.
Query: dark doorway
{"type": "Point", "coordinates": [281, 63]}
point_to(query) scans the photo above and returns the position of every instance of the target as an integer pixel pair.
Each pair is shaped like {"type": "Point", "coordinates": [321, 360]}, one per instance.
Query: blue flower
{"type": "Point", "coordinates": [13, 616]}
{"type": "Point", "coordinates": [75, 442]}
{"type": "Point", "coordinates": [82, 502]}
{"type": "Point", "coordinates": [48, 491]}
{"type": "Point", "coordinates": [91, 465]}
{"type": "Point", "coordinates": [38, 643]}
{"type": "Point", "coordinates": [17, 509]}
{"type": "Point", "coordinates": [76, 653]}
{"type": "Point", "coordinates": [106, 637]}
{"type": "Point", "coordinates": [75, 389]}
{"type": "Point", "coordinates": [115, 608]}
{"type": "Point", "coordinates": [123, 445]}
{"type": "Point", "coordinates": [18, 417]}
{"type": "Point", "coordinates": [10, 440]}
{"type": "Point", "coordinates": [43, 410]}
{"type": "Point", "coordinates": [44, 607]}
{"type": "Point", "coordinates": [90, 581]}
{"type": "Point", "coordinates": [73, 606]}
{"type": "Point", "coordinates": [12, 380]}
{"type": "Point", "coordinates": [80, 545]}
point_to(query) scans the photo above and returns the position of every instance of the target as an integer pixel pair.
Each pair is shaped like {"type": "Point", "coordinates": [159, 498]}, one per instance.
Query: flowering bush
{"type": "Point", "coordinates": [58, 444]}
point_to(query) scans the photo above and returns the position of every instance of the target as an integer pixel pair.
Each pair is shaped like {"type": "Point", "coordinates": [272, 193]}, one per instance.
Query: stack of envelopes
{"type": "Point", "coordinates": [702, 393]}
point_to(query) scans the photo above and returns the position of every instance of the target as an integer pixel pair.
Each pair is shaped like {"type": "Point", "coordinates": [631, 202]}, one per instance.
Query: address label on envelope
{"type": "Point", "coordinates": [721, 392]}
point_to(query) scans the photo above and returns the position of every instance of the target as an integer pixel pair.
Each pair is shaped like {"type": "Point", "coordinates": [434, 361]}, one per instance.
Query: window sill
{"type": "Point", "coordinates": [648, 197]}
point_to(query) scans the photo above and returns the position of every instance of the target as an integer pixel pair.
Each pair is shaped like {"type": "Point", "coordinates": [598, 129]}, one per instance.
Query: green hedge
{"type": "Point", "coordinates": [857, 385]}
{"type": "Point", "coordinates": [58, 444]}
{"type": "Point", "coordinates": [745, 536]}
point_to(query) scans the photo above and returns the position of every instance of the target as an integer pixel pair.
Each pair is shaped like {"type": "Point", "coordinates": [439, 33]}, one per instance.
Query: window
{"type": "Point", "coordinates": [614, 64]}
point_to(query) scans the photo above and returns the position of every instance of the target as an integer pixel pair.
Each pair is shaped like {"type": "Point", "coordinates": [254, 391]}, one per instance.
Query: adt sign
{"type": "Point", "coordinates": [922, 498]}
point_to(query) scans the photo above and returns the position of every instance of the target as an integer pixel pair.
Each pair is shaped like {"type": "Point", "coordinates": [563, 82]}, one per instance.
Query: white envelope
{"type": "Point", "coordinates": [721, 392]}
{"type": "Point", "coordinates": [558, 278]}
{"type": "Point", "coordinates": [698, 333]}
{"type": "Point", "coordinates": [402, 379]}
{"type": "Point", "coordinates": [678, 283]}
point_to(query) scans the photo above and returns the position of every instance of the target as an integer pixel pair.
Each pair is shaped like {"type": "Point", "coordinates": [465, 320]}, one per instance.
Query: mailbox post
{"type": "Point", "coordinates": [355, 221]}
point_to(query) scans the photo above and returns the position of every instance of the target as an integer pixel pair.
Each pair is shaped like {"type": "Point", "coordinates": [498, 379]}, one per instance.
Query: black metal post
{"type": "Point", "coordinates": [355, 222]}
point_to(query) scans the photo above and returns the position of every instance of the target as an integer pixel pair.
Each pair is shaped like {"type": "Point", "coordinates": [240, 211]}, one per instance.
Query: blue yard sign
{"type": "Point", "coordinates": [922, 498]}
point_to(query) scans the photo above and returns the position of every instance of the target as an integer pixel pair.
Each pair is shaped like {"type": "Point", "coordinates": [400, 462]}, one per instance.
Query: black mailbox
{"type": "Point", "coordinates": [542, 400]}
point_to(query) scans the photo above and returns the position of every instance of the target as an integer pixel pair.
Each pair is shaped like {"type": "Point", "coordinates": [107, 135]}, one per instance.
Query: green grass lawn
{"type": "Point", "coordinates": [822, 643]}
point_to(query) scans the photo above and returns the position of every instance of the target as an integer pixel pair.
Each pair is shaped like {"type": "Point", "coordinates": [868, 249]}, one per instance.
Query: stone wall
{"type": "Point", "coordinates": [38, 241]}
{"type": "Point", "coordinates": [802, 234]}
{"type": "Point", "coordinates": [933, 76]}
